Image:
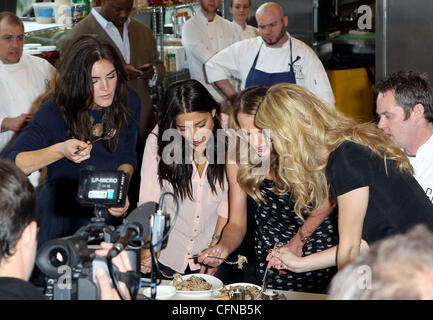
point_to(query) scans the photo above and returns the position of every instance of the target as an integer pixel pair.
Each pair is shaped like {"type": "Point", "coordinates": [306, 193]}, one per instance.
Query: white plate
{"type": "Point", "coordinates": [162, 292]}
{"type": "Point", "coordinates": [214, 281]}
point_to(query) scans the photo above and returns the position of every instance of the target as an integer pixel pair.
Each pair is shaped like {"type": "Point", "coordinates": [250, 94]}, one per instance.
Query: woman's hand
{"type": "Point", "coordinates": [123, 263]}
{"type": "Point", "coordinates": [145, 71]}
{"type": "Point", "coordinates": [119, 211]}
{"type": "Point", "coordinates": [284, 258]}
{"type": "Point", "coordinates": [70, 147]}
{"type": "Point", "coordinates": [214, 251]}
{"type": "Point", "coordinates": [16, 124]}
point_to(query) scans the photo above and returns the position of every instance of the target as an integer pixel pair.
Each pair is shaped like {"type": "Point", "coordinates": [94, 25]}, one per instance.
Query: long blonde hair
{"type": "Point", "coordinates": [304, 130]}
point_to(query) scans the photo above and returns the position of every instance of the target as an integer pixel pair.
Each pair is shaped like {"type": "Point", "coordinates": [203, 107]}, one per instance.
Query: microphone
{"type": "Point", "coordinates": [135, 227]}
{"type": "Point", "coordinates": [142, 215]}
{"type": "Point", "coordinates": [131, 232]}
{"type": "Point", "coordinates": [155, 223]}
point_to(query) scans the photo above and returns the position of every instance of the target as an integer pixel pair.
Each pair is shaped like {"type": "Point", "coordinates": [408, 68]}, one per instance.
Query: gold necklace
{"type": "Point", "coordinates": [97, 128]}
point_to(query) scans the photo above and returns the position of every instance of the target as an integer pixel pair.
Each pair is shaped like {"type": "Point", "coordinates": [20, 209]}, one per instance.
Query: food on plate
{"type": "Point", "coordinates": [251, 292]}
{"type": "Point", "coordinates": [269, 294]}
{"type": "Point", "coordinates": [193, 283]}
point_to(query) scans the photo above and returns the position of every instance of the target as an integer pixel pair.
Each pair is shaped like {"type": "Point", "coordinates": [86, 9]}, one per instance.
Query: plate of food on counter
{"type": "Point", "coordinates": [250, 291]}
{"type": "Point", "coordinates": [196, 284]}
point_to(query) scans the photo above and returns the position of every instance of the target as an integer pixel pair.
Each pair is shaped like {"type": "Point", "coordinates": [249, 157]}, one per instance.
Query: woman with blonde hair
{"type": "Point", "coordinates": [320, 152]}
{"type": "Point", "coordinates": [275, 222]}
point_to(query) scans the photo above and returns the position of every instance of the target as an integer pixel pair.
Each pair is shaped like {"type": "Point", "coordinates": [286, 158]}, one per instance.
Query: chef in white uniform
{"type": "Point", "coordinates": [23, 79]}
{"type": "Point", "coordinates": [240, 9]}
{"type": "Point", "coordinates": [205, 34]}
{"type": "Point", "coordinates": [271, 58]}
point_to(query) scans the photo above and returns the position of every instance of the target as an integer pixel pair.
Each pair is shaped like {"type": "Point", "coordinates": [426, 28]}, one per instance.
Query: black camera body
{"type": "Point", "coordinates": [71, 265]}
{"type": "Point", "coordinates": [76, 283]}
{"type": "Point", "coordinates": [70, 262]}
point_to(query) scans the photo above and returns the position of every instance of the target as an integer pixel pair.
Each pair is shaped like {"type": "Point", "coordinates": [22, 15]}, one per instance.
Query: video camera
{"type": "Point", "coordinates": [70, 262]}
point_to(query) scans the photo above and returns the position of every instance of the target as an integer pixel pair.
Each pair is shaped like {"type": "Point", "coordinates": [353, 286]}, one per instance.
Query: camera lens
{"type": "Point", "coordinates": [58, 257]}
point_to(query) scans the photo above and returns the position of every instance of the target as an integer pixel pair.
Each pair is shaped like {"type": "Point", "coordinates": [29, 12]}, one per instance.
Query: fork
{"type": "Point", "coordinates": [213, 257]}
{"type": "Point", "coordinates": [264, 281]}
{"type": "Point", "coordinates": [110, 134]}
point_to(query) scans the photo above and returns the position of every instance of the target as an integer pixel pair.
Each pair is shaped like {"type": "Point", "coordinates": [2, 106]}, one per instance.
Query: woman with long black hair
{"type": "Point", "coordinates": [185, 155]}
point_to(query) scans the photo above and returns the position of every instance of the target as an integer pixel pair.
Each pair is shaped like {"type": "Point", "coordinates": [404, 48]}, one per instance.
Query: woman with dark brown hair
{"type": "Point", "coordinates": [90, 99]}
{"type": "Point", "coordinates": [183, 156]}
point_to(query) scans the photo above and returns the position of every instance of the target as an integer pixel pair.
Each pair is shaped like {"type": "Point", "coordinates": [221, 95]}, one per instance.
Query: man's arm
{"type": "Point", "coordinates": [221, 67]}
{"type": "Point", "coordinates": [15, 124]}
{"type": "Point", "coordinates": [227, 89]}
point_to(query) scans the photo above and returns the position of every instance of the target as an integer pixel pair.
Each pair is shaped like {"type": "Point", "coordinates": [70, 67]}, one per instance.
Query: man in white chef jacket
{"type": "Point", "coordinates": [271, 58]}
{"type": "Point", "coordinates": [23, 79]}
{"type": "Point", "coordinates": [205, 34]}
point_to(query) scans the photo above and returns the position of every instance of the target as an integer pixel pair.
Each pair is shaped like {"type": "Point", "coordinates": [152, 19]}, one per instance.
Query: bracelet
{"type": "Point", "coordinates": [305, 239]}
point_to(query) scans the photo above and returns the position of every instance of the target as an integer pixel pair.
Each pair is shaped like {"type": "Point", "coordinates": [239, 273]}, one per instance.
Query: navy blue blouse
{"type": "Point", "coordinates": [47, 127]}
{"type": "Point", "coordinates": [58, 213]}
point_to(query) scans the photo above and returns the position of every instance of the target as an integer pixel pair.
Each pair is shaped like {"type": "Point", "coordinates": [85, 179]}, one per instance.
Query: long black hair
{"type": "Point", "coordinates": [186, 97]}
{"type": "Point", "coordinates": [73, 92]}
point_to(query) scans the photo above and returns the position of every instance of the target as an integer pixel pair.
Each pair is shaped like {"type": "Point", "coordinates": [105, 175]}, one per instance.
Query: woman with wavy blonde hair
{"type": "Point", "coordinates": [274, 221]}
{"type": "Point", "coordinates": [322, 152]}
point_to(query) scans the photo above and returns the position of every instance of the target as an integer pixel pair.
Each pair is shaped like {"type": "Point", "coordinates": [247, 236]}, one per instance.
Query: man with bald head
{"type": "Point", "coordinates": [272, 57]}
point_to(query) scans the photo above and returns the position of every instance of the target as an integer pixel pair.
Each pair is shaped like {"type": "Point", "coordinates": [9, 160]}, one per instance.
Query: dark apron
{"type": "Point", "coordinates": [256, 77]}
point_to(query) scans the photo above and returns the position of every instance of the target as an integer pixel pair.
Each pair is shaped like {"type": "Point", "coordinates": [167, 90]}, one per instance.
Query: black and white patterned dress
{"type": "Point", "coordinates": [276, 222]}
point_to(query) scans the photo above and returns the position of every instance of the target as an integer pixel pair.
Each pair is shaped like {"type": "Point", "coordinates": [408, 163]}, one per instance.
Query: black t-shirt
{"type": "Point", "coordinates": [17, 289]}
{"type": "Point", "coordinates": [396, 201]}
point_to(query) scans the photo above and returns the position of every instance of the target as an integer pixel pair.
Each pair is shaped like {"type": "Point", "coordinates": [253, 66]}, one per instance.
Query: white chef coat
{"type": "Point", "coordinates": [422, 163]}
{"type": "Point", "coordinates": [237, 60]}
{"type": "Point", "coordinates": [248, 32]}
{"type": "Point", "coordinates": [20, 85]}
{"type": "Point", "coordinates": [203, 39]}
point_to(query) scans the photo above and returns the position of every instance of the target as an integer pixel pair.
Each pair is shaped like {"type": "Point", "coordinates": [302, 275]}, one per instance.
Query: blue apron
{"type": "Point", "coordinates": [256, 77]}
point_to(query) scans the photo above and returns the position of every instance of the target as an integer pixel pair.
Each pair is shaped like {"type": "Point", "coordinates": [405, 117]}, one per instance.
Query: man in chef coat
{"type": "Point", "coordinates": [271, 58]}
{"type": "Point", "coordinates": [23, 79]}
{"type": "Point", "coordinates": [204, 35]}
{"type": "Point", "coordinates": [405, 109]}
